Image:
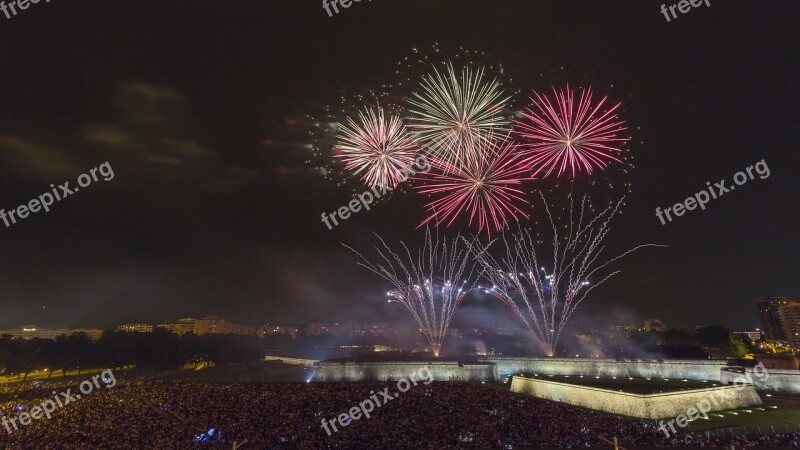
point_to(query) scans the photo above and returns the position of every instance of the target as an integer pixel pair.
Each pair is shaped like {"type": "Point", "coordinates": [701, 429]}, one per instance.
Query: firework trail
{"type": "Point", "coordinates": [568, 136]}
{"type": "Point", "coordinates": [545, 299]}
{"type": "Point", "coordinates": [485, 187]}
{"type": "Point", "coordinates": [427, 283]}
{"type": "Point", "coordinates": [377, 148]}
{"type": "Point", "coordinates": [452, 111]}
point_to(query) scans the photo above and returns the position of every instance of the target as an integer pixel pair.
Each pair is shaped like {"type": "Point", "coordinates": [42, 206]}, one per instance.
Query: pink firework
{"type": "Point", "coordinates": [563, 135]}
{"type": "Point", "coordinates": [376, 147]}
{"type": "Point", "coordinates": [484, 187]}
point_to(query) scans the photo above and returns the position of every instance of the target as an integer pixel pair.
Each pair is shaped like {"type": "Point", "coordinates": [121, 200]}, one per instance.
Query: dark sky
{"type": "Point", "coordinates": [202, 216]}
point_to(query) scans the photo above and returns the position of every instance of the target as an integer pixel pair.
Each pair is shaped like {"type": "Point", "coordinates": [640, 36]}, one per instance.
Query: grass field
{"type": "Point", "coordinates": [781, 411]}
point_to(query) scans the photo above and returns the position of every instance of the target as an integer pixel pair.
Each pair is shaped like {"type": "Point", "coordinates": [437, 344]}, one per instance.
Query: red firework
{"type": "Point", "coordinates": [564, 135]}
{"type": "Point", "coordinates": [484, 187]}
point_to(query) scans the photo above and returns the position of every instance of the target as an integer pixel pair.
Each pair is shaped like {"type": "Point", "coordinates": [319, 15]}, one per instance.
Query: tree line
{"type": "Point", "coordinates": [159, 349]}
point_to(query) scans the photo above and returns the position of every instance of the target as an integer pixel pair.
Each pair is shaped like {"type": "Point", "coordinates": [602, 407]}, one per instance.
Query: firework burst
{"type": "Point", "coordinates": [376, 147]}
{"type": "Point", "coordinates": [452, 110]}
{"type": "Point", "coordinates": [544, 299]}
{"type": "Point", "coordinates": [568, 136]}
{"type": "Point", "coordinates": [485, 187]}
{"type": "Point", "coordinates": [429, 284]}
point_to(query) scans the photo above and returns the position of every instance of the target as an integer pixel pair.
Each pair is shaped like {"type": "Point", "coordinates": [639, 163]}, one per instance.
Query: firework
{"type": "Point", "coordinates": [429, 284]}
{"type": "Point", "coordinates": [565, 136]}
{"type": "Point", "coordinates": [544, 299]}
{"type": "Point", "coordinates": [377, 148]}
{"type": "Point", "coordinates": [451, 110]}
{"type": "Point", "coordinates": [485, 187]}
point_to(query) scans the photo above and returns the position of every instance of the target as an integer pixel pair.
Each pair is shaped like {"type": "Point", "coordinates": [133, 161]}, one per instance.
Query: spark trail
{"type": "Point", "coordinates": [429, 284]}
{"type": "Point", "coordinates": [545, 299]}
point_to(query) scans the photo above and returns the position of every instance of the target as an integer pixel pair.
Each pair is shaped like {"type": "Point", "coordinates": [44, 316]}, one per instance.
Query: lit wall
{"type": "Point", "coordinates": [653, 406]}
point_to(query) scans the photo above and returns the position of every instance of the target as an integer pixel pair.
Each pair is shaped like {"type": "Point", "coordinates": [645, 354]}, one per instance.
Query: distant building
{"type": "Point", "coordinates": [790, 321]}
{"type": "Point", "coordinates": [455, 332]}
{"type": "Point", "coordinates": [135, 328]}
{"type": "Point", "coordinates": [780, 319]}
{"type": "Point", "coordinates": [376, 329]}
{"type": "Point", "coordinates": [214, 325]}
{"type": "Point", "coordinates": [317, 328]}
{"type": "Point", "coordinates": [269, 330]}
{"type": "Point", "coordinates": [182, 326]}
{"type": "Point", "coordinates": [754, 335]}
{"type": "Point", "coordinates": [655, 325]}
{"type": "Point", "coordinates": [33, 332]}
{"type": "Point", "coordinates": [622, 330]}
{"type": "Point", "coordinates": [207, 325]}
{"type": "Point", "coordinates": [241, 330]}
{"type": "Point", "coordinates": [373, 348]}
{"type": "Point", "coordinates": [510, 331]}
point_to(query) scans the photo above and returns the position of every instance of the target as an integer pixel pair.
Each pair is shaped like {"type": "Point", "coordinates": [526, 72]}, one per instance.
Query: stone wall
{"type": "Point", "coordinates": [294, 361]}
{"type": "Point", "coordinates": [774, 380]}
{"type": "Point", "coordinates": [690, 369]}
{"type": "Point", "coordinates": [653, 406]}
{"type": "Point", "coordinates": [382, 371]}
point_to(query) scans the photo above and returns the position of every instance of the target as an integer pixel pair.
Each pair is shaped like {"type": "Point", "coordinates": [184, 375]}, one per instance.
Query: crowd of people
{"type": "Point", "coordinates": [440, 415]}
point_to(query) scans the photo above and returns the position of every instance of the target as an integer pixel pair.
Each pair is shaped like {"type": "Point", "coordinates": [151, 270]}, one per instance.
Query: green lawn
{"type": "Point", "coordinates": [780, 411]}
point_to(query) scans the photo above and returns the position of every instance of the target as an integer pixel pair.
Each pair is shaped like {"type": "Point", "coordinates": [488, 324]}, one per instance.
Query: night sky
{"type": "Point", "coordinates": [213, 210]}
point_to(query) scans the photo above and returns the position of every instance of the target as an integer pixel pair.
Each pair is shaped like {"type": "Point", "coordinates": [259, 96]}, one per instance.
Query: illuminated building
{"type": "Point", "coordinates": [270, 330]}
{"type": "Point", "coordinates": [316, 328]}
{"type": "Point", "coordinates": [135, 328]}
{"type": "Point", "coordinates": [754, 335]}
{"type": "Point", "coordinates": [34, 332]}
{"type": "Point", "coordinates": [182, 326]}
{"type": "Point", "coordinates": [790, 322]}
{"type": "Point", "coordinates": [780, 319]}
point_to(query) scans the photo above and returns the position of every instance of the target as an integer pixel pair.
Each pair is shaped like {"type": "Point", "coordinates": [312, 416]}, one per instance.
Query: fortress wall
{"type": "Point", "coordinates": [653, 406]}
{"type": "Point", "coordinates": [774, 380]}
{"type": "Point", "coordinates": [294, 361]}
{"type": "Point", "coordinates": [695, 369]}
{"type": "Point", "coordinates": [383, 371]}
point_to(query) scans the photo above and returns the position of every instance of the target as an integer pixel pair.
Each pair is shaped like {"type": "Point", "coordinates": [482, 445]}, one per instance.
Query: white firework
{"type": "Point", "coordinates": [429, 284]}
{"type": "Point", "coordinates": [377, 148]}
{"type": "Point", "coordinates": [544, 299]}
{"type": "Point", "coordinates": [452, 110]}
